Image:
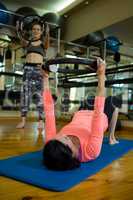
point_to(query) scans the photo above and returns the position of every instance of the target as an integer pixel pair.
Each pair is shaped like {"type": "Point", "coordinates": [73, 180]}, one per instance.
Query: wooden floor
{"type": "Point", "coordinates": [114, 182]}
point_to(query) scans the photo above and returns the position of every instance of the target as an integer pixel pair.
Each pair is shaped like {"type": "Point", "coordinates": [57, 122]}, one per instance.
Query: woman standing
{"type": "Point", "coordinates": [32, 78]}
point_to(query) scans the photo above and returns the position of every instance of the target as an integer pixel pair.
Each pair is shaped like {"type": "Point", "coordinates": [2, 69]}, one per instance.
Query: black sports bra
{"type": "Point", "coordinates": [36, 49]}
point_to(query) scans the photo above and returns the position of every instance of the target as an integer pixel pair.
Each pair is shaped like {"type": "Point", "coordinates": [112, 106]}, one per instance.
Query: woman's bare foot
{"type": "Point", "coordinates": [112, 141]}
{"type": "Point", "coordinates": [21, 125]}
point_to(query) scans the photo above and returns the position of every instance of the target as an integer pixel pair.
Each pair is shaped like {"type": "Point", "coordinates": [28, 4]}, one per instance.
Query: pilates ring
{"type": "Point", "coordinates": [24, 26]}
{"type": "Point", "coordinates": [50, 65]}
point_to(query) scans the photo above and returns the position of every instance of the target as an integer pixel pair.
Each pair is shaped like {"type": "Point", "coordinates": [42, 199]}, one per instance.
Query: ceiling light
{"type": "Point", "coordinates": [64, 5]}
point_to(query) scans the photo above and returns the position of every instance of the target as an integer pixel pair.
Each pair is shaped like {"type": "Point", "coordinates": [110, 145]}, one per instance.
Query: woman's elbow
{"type": "Point", "coordinates": [95, 153]}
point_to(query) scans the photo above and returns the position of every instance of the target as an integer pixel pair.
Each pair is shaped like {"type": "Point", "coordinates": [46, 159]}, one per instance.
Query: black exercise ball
{"type": "Point", "coordinates": [94, 39]}
{"type": "Point", "coordinates": [53, 18]}
{"type": "Point", "coordinates": [24, 11]}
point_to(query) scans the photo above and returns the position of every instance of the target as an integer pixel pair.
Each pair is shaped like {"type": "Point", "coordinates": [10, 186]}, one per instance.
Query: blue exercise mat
{"type": "Point", "coordinates": [28, 168]}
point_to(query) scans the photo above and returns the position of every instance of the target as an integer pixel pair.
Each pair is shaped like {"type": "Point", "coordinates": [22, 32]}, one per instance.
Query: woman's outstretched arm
{"type": "Point", "coordinates": [101, 78]}
{"type": "Point", "coordinates": [99, 120]}
{"type": "Point", "coordinates": [50, 125]}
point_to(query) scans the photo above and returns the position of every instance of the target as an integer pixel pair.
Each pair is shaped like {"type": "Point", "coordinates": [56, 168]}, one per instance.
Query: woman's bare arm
{"type": "Point", "coordinates": [101, 77]}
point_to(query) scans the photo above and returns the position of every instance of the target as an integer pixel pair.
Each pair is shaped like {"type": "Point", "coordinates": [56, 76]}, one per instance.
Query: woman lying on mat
{"type": "Point", "coordinates": [81, 139]}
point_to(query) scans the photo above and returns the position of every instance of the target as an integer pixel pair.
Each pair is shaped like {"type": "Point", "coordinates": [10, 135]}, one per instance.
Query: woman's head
{"type": "Point", "coordinates": [58, 156]}
{"type": "Point", "coordinates": [36, 30]}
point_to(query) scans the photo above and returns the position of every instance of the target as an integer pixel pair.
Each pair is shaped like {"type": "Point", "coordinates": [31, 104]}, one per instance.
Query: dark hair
{"type": "Point", "coordinates": [37, 22]}
{"type": "Point", "coordinates": [57, 156]}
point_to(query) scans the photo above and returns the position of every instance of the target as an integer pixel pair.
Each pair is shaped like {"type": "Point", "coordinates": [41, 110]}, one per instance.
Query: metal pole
{"type": "Point", "coordinates": [104, 51]}
{"type": "Point", "coordinates": [88, 52]}
{"type": "Point", "coordinates": [52, 24]}
{"type": "Point", "coordinates": [70, 43]}
{"type": "Point", "coordinates": [58, 40]}
{"type": "Point", "coordinates": [20, 15]}
{"type": "Point", "coordinates": [12, 13]}
{"type": "Point", "coordinates": [8, 26]}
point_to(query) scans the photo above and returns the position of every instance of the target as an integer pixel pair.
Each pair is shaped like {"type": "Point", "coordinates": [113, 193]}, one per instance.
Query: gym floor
{"type": "Point", "coordinates": [112, 183]}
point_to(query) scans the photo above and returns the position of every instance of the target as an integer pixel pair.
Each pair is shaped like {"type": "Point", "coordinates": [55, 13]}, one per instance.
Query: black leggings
{"type": "Point", "coordinates": [111, 102]}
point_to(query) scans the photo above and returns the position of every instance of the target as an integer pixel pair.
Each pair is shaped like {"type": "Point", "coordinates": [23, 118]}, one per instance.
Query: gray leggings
{"type": "Point", "coordinates": [32, 89]}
